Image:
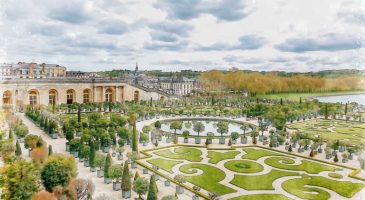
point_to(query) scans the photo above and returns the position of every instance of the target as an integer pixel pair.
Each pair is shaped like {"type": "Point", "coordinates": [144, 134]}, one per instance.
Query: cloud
{"type": "Point", "coordinates": [247, 42]}
{"type": "Point", "coordinates": [242, 60]}
{"type": "Point", "coordinates": [223, 10]}
{"type": "Point", "coordinates": [328, 42]}
{"type": "Point", "coordinates": [165, 46]}
{"type": "Point", "coordinates": [113, 27]}
{"type": "Point", "coordinates": [279, 60]}
{"type": "Point", "coordinates": [353, 17]}
{"type": "Point", "coordinates": [74, 12]}
{"type": "Point", "coordinates": [46, 29]}
{"type": "Point", "coordinates": [164, 36]}
{"type": "Point", "coordinates": [174, 27]}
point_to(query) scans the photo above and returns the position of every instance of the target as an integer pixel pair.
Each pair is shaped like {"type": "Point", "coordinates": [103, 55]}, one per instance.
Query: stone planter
{"type": "Point", "coordinates": [167, 183]}
{"type": "Point", "coordinates": [195, 197]}
{"type": "Point", "coordinates": [100, 173]}
{"type": "Point", "coordinates": [344, 160]}
{"type": "Point", "coordinates": [107, 180]}
{"type": "Point", "coordinates": [114, 154]}
{"type": "Point", "coordinates": [234, 141]}
{"type": "Point", "coordinates": [81, 159]}
{"type": "Point", "coordinates": [261, 138]}
{"type": "Point", "coordinates": [351, 157]}
{"type": "Point", "coordinates": [328, 156]}
{"type": "Point", "coordinates": [179, 189]}
{"type": "Point", "coordinates": [106, 149]}
{"type": "Point", "coordinates": [120, 157]}
{"type": "Point", "coordinates": [117, 186]}
{"type": "Point", "coordinates": [54, 136]}
{"type": "Point", "coordinates": [320, 150]}
{"type": "Point", "coordinates": [334, 153]}
{"type": "Point", "coordinates": [157, 177]}
{"type": "Point", "coordinates": [126, 194]}
{"type": "Point", "coordinates": [168, 140]}
{"type": "Point", "coordinates": [86, 163]}
{"type": "Point", "coordinates": [159, 138]}
{"type": "Point", "coordinates": [21, 140]}
{"type": "Point", "coordinates": [198, 140]}
{"type": "Point", "coordinates": [145, 171]}
{"type": "Point", "coordinates": [209, 141]}
{"type": "Point", "coordinates": [145, 143]}
{"type": "Point", "coordinates": [92, 169]}
{"type": "Point", "coordinates": [134, 165]}
{"type": "Point", "coordinates": [76, 154]}
{"type": "Point", "coordinates": [222, 140]}
{"type": "Point", "coordinates": [67, 147]}
{"type": "Point", "coordinates": [243, 140]}
{"type": "Point", "coordinates": [186, 140]}
{"type": "Point", "coordinates": [29, 152]}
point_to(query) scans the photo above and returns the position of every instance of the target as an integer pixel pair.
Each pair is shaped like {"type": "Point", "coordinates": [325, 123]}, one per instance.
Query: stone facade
{"type": "Point", "coordinates": [21, 92]}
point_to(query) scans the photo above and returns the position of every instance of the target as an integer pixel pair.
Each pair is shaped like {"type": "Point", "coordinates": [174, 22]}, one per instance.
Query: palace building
{"type": "Point", "coordinates": [32, 84]}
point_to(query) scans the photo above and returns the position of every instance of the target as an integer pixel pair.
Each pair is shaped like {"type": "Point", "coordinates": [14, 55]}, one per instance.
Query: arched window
{"type": "Point", "coordinates": [33, 97]}
{"type": "Point", "coordinates": [52, 97]}
{"type": "Point", "coordinates": [109, 95]}
{"type": "Point", "coordinates": [86, 95]}
{"type": "Point", "coordinates": [136, 96]}
{"type": "Point", "coordinates": [7, 97]}
{"type": "Point", "coordinates": [70, 96]}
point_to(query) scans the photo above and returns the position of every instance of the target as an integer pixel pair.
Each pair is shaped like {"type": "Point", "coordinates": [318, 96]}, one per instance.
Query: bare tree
{"type": "Point", "coordinates": [81, 189]}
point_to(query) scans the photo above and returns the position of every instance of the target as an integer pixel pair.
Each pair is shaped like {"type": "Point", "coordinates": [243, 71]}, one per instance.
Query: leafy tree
{"type": "Point", "coordinates": [186, 134]}
{"type": "Point", "coordinates": [198, 127]}
{"type": "Point", "coordinates": [107, 164]}
{"type": "Point", "coordinates": [222, 127]}
{"type": "Point", "coordinates": [245, 128]}
{"type": "Point", "coordinates": [100, 160]}
{"type": "Point", "coordinates": [116, 172]}
{"type": "Point", "coordinates": [176, 125]}
{"type": "Point", "coordinates": [157, 124]}
{"type": "Point", "coordinates": [58, 171]}
{"type": "Point", "coordinates": [140, 186]}
{"type": "Point", "coordinates": [18, 150]}
{"type": "Point", "coordinates": [20, 180]}
{"type": "Point", "coordinates": [234, 135]}
{"type": "Point", "coordinates": [152, 189]}
{"type": "Point", "coordinates": [126, 179]}
{"type": "Point", "coordinates": [132, 120]}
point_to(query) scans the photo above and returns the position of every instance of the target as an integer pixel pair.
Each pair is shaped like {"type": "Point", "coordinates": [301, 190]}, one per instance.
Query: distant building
{"type": "Point", "coordinates": [31, 70]}
{"type": "Point", "coordinates": [179, 85]}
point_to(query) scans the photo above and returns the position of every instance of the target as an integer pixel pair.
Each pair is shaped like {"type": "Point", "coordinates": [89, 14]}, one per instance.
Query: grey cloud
{"type": "Point", "coordinates": [247, 42]}
{"type": "Point", "coordinates": [224, 10]}
{"type": "Point", "coordinates": [178, 28]}
{"type": "Point", "coordinates": [353, 17]}
{"type": "Point", "coordinates": [46, 29]}
{"type": "Point", "coordinates": [74, 12]}
{"type": "Point", "coordinates": [165, 46]}
{"type": "Point", "coordinates": [164, 36]}
{"type": "Point", "coordinates": [279, 60]}
{"type": "Point", "coordinates": [328, 42]}
{"type": "Point", "coordinates": [113, 27]}
{"type": "Point", "coordinates": [242, 60]}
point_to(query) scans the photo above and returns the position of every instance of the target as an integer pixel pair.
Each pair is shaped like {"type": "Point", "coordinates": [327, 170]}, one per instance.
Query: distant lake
{"type": "Point", "coordinates": [359, 98]}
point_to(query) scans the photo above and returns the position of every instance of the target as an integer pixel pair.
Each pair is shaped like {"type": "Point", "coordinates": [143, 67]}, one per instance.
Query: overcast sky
{"type": "Point", "coordinates": [291, 35]}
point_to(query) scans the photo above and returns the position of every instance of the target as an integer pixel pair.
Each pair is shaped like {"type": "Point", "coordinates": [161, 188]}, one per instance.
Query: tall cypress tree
{"type": "Point", "coordinates": [18, 150]}
{"type": "Point", "coordinates": [108, 163]}
{"type": "Point", "coordinates": [126, 179]}
{"type": "Point", "coordinates": [79, 114]}
{"type": "Point", "coordinates": [50, 151]}
{"type": "Point", "coordinates": [152, 189]}
{"type": "Point", "coordinates": [346, 108]}
{"type": "Point", "coordinates": [326, 112]}
{"type": "Point", "coordinates": [92, 156]}
{"type": "Point", "coordinates": [135, 137]}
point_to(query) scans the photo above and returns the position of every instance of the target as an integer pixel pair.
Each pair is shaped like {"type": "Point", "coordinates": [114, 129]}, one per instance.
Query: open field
{"type": "Point", "coordinates": [253, 173]}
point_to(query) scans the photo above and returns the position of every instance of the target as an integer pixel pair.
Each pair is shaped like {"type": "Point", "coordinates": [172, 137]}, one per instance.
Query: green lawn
{"type": "Point", "coordinates": [261, 182]}
{"type": "Point", "coordinates": [243, 166]}
{"type": "Point", "coordinates": [261, 197]}
{"type": "Point", "coordinates": [164, 164]}
{"type": "Point", "coordinates": [298, 187]}
{"type": "Point", "coordinates": [209, 180]}
{"type": "Point", "coordinates": [341, 130]}
{"type": "Point", "coordinates": [254, 154]}
{"type": "Point", "coordinates": [181, 153]}
{"type": "Point", "coordinates": [307, 166]}
{"type": "Point", "coordinates": [216, 157]}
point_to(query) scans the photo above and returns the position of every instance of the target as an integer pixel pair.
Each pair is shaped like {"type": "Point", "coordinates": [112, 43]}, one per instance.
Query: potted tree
{"type": "Point", "coordinates": [234, 136]}
{"type": "Point", "coordinates": [185, 134]}
{"type": "Point", "coordinates": [181, 180]}
{"type": "Point", "coordinates": [140, 186]}
{"type": "Point", "coordinates": [116, 173]}
{"type": "Point", "coordinates": [222, 127]}
{"type": "Point", "coordinates": [198, 127]}
{"type": "Point", "coordinates": [107, 164]}
{"type": "Point", "coordinates": [92, 160]}
{"type": "Point", "coordinates": [100, 162]}
{"type": "Point", "coordinates": [133, 157]}
{"type": "Point", "coordinates": [210, 136]}
{"type": "Point", "coordinates": [120, 151]}
{"type": "Point", "coordinates": [126, 182]}
{"type": "Point", "coordinates": [245, 128]}
{"type": "Point", "coordinates": [176, 125]}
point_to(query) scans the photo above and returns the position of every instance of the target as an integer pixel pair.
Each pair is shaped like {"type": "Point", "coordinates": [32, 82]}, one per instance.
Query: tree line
{"type": "Point", "coordinates": [272, 82]}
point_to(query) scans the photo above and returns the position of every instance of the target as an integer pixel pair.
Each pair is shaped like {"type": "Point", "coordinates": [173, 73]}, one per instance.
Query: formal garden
{"type": "Point", "coordinates": [250, 173]}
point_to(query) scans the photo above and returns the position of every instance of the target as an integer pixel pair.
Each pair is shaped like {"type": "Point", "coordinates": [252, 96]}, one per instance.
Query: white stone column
{"type": "Point", "coordinates": [116, 94]}
{"type": "Point", "coordinates": [94, 94]}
